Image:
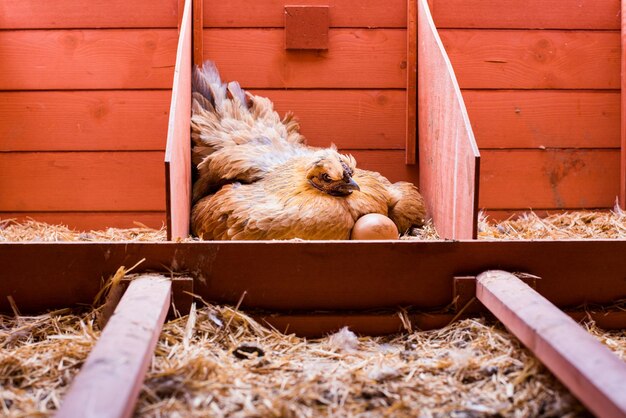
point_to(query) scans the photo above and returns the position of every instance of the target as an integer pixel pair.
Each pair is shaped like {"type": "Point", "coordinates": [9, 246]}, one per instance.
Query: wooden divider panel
{"type": "Point", "coordinates": [448, 155]}
{"type": "Point", "coordinates": [178, 151]}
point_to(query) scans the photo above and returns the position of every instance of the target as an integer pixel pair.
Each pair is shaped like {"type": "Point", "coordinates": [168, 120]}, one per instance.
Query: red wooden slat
{"type": "Point", "coordinates": [354, 119]}
{"type": "Point", "coordinates": [590, 370]}
{"type": "Point", "coordinates": [86, 221]}
{"type": "Point", "coordinates": [198, 23]}
{"type": "Point", "coordinates": [178, 151]}
{"type": "Point", "coordinates": [110, 380]}
{"type": "Point", "coordinates": [81, 181]}
{"type": "Point", "coordinates": [512, 179]}
{"type": "Point", "coordinates": [534, 59]}
{"type": "Point", "coordinates": [373, 274]}
{"type": "Point", "coordinates": [389, 163]}
{"type": "Point", "coordinates": [448, 155]}
{"type": "Point", "coordinates": [66, 14]}
{"type": "Point", "coordinates": [544, 118]}
{"type": "Point", "coordinates": [356, 58]}
{"type": "Point", "coordinates": [83, 120]}
{"type": "Point", "coordinates": [87, 59]}
{"type": "Point", "coordinates": [270, 13]}
{"type": "Point", "coordinates": [622, 191]}
{"type": "Point", "coordinates": [527, 14]}
{"type": "Point", "coordinates": [411, 83]}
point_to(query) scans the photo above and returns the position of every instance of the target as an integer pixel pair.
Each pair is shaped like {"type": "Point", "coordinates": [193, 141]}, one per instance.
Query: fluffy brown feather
{"type": "Point", "coordinates": [257, 180]}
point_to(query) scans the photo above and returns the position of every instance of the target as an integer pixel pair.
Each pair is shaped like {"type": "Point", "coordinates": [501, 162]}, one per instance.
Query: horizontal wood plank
{"type": "Point", "coordinates": [87, 59]}
{"type": "Point", "coordinates": [82, 181]}
{"type": "Point", "coordinates": [533, 59]}
{"type": "Point", "coordinates": [544, 118]}
{"type": "Point", "coordinates": [389, 163]}
{"type": "Point", "coordinates": [65, 14]}
{"type": "Point", "coordinates": [528, 14]}
{"type": "Point", "coordinates": [87, 221]}
{"type": "Point", "coordinates": [83, 120]}
{"type": "Point", "coordinates": [270, 13]}
{"type": "Point", "coordinates": [524, 179]}
{"type": "Point", "coordinates": [377, 275]}
{"type": "Point", "coordinates": [356, 58]}
{"type": "Point", "coordinates": [355, 119]}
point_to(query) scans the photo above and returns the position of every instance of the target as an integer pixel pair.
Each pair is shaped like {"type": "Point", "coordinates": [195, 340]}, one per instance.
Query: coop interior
{"type": "Point", "coordinates": [509, 302]}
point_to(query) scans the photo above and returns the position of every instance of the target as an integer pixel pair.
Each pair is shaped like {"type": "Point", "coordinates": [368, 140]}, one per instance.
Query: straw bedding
{"type": "Point", "coordinates": [217, 361]}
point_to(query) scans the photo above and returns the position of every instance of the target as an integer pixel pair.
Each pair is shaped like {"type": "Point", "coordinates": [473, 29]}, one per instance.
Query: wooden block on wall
{"type": "Point", "coordinates": [306, 27]}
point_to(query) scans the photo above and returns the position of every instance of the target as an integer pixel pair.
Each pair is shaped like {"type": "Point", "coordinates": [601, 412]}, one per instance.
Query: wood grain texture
{"type": "Point", "coordinates": [593, 373]}
{"type": "Point", "coordinates": [411, 84]}
{"type": "Point", "coordinates": [87, 221]}
{"type": "Point", "coordinates": [356, 58]}
{"type": "Point", "coordinates": [197, 28]}
{"type": "Point", "coordinates": [389, 163]}
{"type": "Point", "coordinates": [523, 179]}
{"type": "Point", "coordinates": [178, 149]}
{"type": "Point", "coordinates": [622, 191]}
{"type": "Point", "coordinates": [87, 59]}
{"type": "Point", "coordinates": [528, 14]}
{"type": "Point", "coordinates": [270, 13]}
{"type": "Point", "coordinates": [354, 119]}
{"type": "Point", "coordinates": [82, 181]}
{"type": "Point", "coordinates": [533, 59]}
{"type": "Point", "coordinates": [544, 118]}
{"type": "Point", "coordinates": [109, 382]}
{"type": "Point", "coordinates": [66, 14]}
{"type": "Point", "coordinates": [449, 160]}
{"type": "Point", "coordinates": [83, 120]}
{"type": "Point", "coordinates": [378, 274]}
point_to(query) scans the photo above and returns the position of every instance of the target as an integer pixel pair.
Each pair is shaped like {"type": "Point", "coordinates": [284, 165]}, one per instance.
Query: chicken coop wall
{"type": "Point", "coordinates": [85, 94]}
{"type": "Point", "coordinates": [541, 81]}
{"type": "Point", "coordinates": [86, 90]}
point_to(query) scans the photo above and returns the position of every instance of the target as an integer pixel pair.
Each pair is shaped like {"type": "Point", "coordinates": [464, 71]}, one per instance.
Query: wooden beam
{"type": "Point", "coordinates": [590, 370]}
{"type": "Point", "coordinates": [178, 148]}
{"type": "Point", "coordinates": [622, 177]}
{"type": "Point", "coordinates": [448, 155]}
{"type": "Point", "coordinates": [198, 23]}
{"type": "Point", "coordinates": [416, 273]}
{"type": "Point", "coordinates": [110, 380]}
{"type": "Point", "coordinates": [411, 83]}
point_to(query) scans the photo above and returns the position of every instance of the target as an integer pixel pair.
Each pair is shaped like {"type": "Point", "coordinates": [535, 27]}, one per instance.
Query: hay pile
{"type": "Point", "coordinates": [220, 362]}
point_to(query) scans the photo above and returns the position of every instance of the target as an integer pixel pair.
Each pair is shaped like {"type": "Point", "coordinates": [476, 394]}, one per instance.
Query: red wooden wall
{"type": "Point", "coordinates": [541, 82]}
{"type": "Point", "coordinates": [84, 100]}
{"type": "Point", "coordinates": [352, 95]}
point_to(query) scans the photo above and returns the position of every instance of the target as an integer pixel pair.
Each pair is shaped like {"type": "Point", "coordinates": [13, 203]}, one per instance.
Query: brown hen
{"type": "Point", "coordinates": [257, 180]}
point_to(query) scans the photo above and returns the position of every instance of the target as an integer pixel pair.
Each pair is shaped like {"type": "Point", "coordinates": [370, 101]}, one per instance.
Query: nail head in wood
{"type": "Point", "coordinates": [306, 27]}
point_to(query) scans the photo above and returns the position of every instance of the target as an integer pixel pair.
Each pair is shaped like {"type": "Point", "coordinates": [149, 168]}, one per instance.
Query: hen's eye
{"type": "Point", "coordinates": [326, 178]}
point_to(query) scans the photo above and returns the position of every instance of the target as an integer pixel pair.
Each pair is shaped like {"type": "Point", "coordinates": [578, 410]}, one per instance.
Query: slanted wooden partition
{"type": "Point", "coordinates": [178, 151]}
{"type": "Point", "coordinates": [448, 154]}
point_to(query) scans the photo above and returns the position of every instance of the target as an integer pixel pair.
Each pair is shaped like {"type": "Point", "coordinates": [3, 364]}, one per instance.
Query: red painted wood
{"type": "Point", "coordinates": [374, 275]}
{"type": "Point", "coordinates": [269, 13]}
{"type": "Point", "coordinates": [178, 150]}
{"type": "Point", "coordinates": [528, 14]}
{"type": "Point", "coordinates": [354, 119]}
{"type": "Point", "coordinates": [389, 163]}
{"type": "Point", "coordinates": [109, 382]}
{"type": "Point", "coordinates": [197, 41]}
{"type": "Point", "coordinates": [534, 59]}
{"type": "Point", "coordinates": [86, 221]}
{"type": "Point", "coordinates": [589, 369]}
{"type": "Point", "coordinates": [622, 191]}
{"type": "Point", "coordinates": [448, 155]}
{"type": "Point", "coordinates": [306, 27]}
{"type": "Point", "coordinates": [411, 84]}
{"type": "Point", "coordinates": [356, 58]}
{"type": "Point", "coordinates": [83, 120]}
{"type": "Point", "coordinates": [87, 59]}
{"type": "Point", "coordinates": [66, 14]}
{"type": "Point", "coordinates": [523, 179]}
{"type": "Point", "coordinates": [544, 118]}
{"type": "Point", "coordinates": [82, 181]}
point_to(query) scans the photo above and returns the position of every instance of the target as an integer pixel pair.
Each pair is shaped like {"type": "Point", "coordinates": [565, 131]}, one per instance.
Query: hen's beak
{"type": "Point", "coordinates": [350, 185]}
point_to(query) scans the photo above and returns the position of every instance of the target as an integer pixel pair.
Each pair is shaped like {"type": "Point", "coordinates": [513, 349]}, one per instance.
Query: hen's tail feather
{"type": "Point", "coordinates": [206, 81]}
